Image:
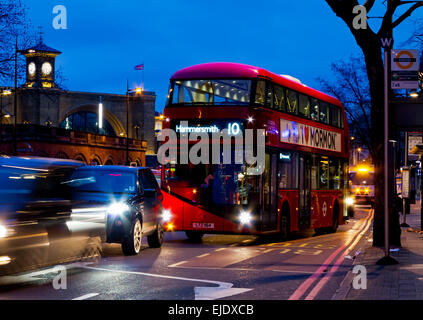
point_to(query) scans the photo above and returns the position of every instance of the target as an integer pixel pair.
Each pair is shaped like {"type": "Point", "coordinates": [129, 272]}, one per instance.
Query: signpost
{"type": "Point", "coordinates": [387, 45]}
{"type": "Point", "coordinates": [404, 69]}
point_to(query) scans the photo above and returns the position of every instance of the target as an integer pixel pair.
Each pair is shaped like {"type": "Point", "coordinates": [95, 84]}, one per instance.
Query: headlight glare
{"type": "Point", "coordinates": [3, 231]}
{"type": "Point", "coordinates": [117, 208]}
{"type": "Point", "coordinates": [166, 215]}
{"type": "Point", "coordinates": [349, 201]}
{"type": "Point", "coordinates": [245, 217]}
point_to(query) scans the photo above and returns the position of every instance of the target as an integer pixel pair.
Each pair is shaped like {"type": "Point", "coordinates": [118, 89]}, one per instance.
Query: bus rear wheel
{"type": "Point", "coordinates": [194, 236]}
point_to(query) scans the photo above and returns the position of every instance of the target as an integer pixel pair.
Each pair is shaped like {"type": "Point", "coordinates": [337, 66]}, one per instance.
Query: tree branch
{"type": "Point", "coordinates": [406, 14]}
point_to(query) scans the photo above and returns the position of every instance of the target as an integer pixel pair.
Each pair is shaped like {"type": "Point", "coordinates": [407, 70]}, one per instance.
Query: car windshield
{"type": "Point", "coordinates": [103, 181]}
{"type": "Point", "coordinates": [212, 92]}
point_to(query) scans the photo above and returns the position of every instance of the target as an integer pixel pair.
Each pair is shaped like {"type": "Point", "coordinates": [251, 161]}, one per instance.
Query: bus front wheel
{"type": "Point", "coordinates": [194, 236]}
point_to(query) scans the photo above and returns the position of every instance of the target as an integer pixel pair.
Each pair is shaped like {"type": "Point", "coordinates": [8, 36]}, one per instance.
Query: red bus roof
{"type": "Point", "coordinates": [229, 70]}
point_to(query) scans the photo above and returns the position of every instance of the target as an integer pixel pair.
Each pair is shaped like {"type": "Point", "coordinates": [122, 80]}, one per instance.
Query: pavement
{"type": "Point", "coordinates": [403, 281]}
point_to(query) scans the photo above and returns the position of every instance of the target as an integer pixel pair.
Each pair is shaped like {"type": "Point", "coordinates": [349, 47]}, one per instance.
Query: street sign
{"type": "Point", "coordinates": [414, 140]}
{"type": "Point", "coordinates": [404, 67]}
{"type": "Point", "coordinates": [405, 182]}
{"type": "Point", "coordinates": [405, 60]}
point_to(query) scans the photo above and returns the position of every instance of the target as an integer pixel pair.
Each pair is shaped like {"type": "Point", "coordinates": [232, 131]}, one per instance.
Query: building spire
{"type": "Point", "coordinates": [41, 33]}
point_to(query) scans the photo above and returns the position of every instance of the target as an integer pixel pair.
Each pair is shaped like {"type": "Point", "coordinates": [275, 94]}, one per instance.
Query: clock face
{"type": "Point", "coordinates": [46, 68]}
{"type": "Point", "coordinates": [31, 68]}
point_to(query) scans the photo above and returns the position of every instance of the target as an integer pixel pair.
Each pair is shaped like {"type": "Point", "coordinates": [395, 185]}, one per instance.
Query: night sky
{"type": "Point", "coordinates": [106, 39]}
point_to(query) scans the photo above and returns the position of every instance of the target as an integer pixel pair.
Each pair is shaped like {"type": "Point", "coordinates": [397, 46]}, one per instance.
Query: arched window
{"type": "Point", "coordinates": [87, 121]}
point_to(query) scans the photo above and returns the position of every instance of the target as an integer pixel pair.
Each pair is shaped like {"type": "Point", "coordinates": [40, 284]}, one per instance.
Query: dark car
{"type": "Point", "coordinates": [131, 198]}
{"type": "Point", "coordinates": [36, 224]}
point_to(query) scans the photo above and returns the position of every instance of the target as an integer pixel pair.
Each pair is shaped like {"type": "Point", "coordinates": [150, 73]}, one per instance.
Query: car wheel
{"type": "Point", "coordinates": [131, 244]}
{"type": "Point", "coordinates": [194, 236]}
{"type": "Point", "coordinates": [156, 239]}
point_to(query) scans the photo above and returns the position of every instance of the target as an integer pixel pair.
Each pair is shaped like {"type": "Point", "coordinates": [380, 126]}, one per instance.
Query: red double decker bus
{"type": "Point", "coordinates": [305, 177]}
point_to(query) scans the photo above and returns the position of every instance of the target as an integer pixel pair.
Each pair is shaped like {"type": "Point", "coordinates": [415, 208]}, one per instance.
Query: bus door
{"type": "Point", "coordinates": [269, 191]}
{"type": "Point", "coordinates": [304, 191]}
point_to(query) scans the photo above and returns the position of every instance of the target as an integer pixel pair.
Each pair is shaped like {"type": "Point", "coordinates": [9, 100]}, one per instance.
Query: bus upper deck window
{"type": "Point", "coordinates": [304, 106]}
{"type": "Point", "coordinates": [278, 98]}
{"type": "Point", "coordinates": [260, 92]}
{"type": "Point", "coordinates": [292, 101]}
{"type": "Point", "coordinates": [315, 109]}
{"type": "Point", "coordinates": [334, 116]}
{"type": "Point", "coordinates": [324, 112]}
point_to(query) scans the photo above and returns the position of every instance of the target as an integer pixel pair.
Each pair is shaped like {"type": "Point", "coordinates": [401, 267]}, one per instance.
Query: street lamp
{"type": "Point", "coordinates": [100, 116]}
{"type": "Point", "coordinates": [138, 91]}
{"type": "Point", "coordinates": [414, 94]}
{"type": "Point", "coordinates": [6, 92]}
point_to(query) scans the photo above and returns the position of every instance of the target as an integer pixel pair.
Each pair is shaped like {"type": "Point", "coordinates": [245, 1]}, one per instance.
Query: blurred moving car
{"type": "Point", "coordinates": [130, 196]}
{"type": "Point", "coordinates": [36, 224]}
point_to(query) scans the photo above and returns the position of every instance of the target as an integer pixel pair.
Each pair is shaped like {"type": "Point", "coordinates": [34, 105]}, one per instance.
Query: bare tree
{"type": "Point", "coordinates": [14, 27]}
{"type": "Point", "coordinates": [369, 42]}
{"type": "Point", "coordinates": [351, 86]}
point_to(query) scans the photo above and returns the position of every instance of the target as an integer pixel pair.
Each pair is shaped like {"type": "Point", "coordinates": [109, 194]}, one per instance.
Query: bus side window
{"type": "Point", "coordinates": [314, 109]}
{"type": "Point", "coordinates": [335, 174]}
{"type": "Point", "coordinates": [292, 101]}
{"type": "Point", "coordinates": [278, 98]}
{"type": "Point", "coordinates": [269, 95]}
{"type": "Point", "coordinates": [260, 92]}
{"type": "Point", "coordinates": [324, 173]}
{"type": "Point", "coordinates": [314, 169]}
{"type": "Point", "coordinates": [304, 109]}
{"type": "Point", "coordinates": [324, 112]}
{"type": "Point", "coordinates": [335, 116]}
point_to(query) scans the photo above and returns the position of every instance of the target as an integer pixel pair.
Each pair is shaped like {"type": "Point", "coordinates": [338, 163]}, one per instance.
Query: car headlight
{"type": "Point", "coordinates": [349, 201]}
{"type": "Point", "coordinates": [166, 216]}
{"type": "Point", "coordinates": [3, 231]}
{"type": "Point", "coordinates": [118, 208]}
{"type": "Point", "coordinates": [245, 217]}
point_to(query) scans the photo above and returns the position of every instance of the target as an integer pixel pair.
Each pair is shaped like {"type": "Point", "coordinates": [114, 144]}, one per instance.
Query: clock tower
{"type": "Point", "coordinates": [40, 66]}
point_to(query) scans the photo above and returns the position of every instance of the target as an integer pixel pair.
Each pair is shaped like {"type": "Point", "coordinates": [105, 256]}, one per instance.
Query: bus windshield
{"type": "Point", "coordinates": [224, 184]}
{"type": "Point", "coordinates": [212, 92]}
{"type": "Point", "coordinates": [359, 178]}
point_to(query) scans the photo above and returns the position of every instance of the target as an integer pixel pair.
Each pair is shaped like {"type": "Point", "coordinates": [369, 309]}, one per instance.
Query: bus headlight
{"type": "Point", "coordinates": [166, 216]}
{"type": "Point", "coordinates": [117, 208]}
{"type": "Point", "coordinates": [349, 201]}
{"type": "Point", "coordinates": [245, 217]}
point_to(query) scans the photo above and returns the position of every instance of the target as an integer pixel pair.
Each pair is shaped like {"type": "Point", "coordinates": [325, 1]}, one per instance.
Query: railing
{"type": "Point", "coordinates": [33, 132]}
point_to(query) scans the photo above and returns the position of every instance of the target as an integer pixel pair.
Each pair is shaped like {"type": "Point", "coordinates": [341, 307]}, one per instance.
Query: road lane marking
{"type": "Point", "coordinates": [338, 263]}
{"type": "Point", "coordinates": [301, 290]}
{"type": "Point", "coordinates": [87, 296]}
{"type": "Point", "coordinates": [249, 269]}
{"type": "Point", "coordinates": [203, 255]}
{"type": "Point", "coordinates": [177, 264]}
{"type": "Point", "coordinates": [223, 289]}
{"type": "Point", "coordinates": [221, 249]}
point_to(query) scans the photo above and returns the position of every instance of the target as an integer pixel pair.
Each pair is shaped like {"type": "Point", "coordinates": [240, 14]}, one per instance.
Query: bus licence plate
{"type": "Point", "coordinates": [198, 225]}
